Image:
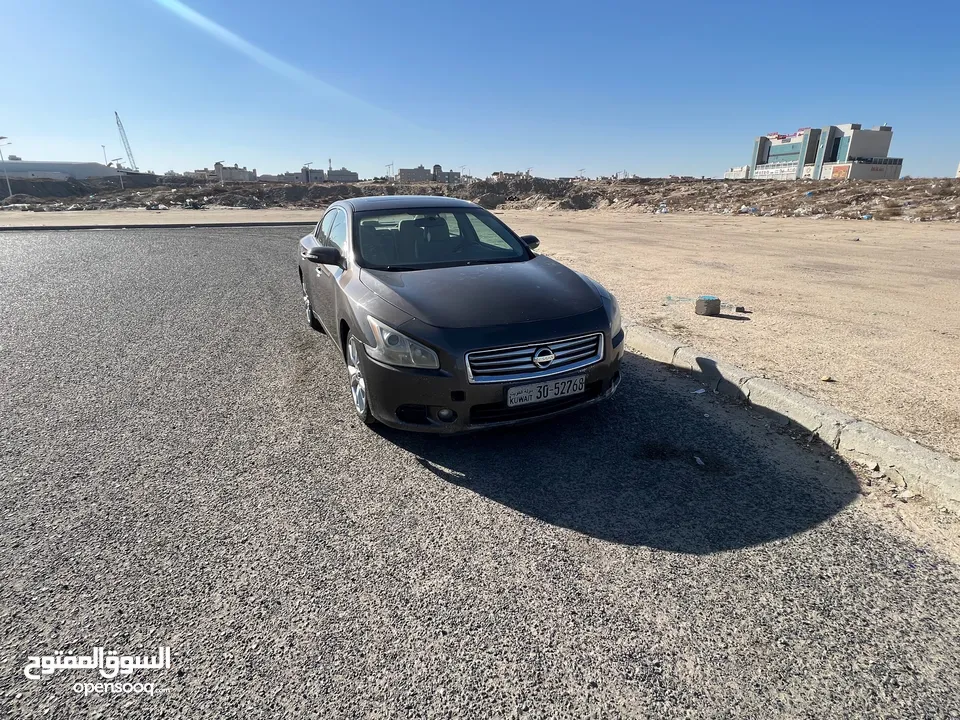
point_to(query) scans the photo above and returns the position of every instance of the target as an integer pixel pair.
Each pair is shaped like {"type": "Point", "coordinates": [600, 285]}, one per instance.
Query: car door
{"type": "Point", "coordinates": [326, 276]}
{"type": "Point", "coordinates": [310, 276]}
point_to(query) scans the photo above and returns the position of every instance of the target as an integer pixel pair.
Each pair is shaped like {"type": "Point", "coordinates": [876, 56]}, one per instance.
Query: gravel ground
{"type": "Point", "coordinates": [180, 466]}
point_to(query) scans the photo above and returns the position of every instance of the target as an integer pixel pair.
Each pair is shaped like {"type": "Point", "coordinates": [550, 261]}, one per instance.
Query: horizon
{"type": "Point", "coordinates": [271, 89]}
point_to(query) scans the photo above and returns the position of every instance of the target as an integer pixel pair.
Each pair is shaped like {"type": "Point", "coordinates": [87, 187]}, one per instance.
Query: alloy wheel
{"type": "Point", "coordinates": [306, 303]}
{"type": "Point", "coordinates": [358, 386]}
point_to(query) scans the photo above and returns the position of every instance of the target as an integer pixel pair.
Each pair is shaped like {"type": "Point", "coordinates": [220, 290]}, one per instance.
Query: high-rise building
{"type": "Point", "coordinates": [833, 152]}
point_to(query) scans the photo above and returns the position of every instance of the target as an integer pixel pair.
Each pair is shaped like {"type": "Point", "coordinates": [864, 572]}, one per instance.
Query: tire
{"type": "Point", "coordinates": [308, 309]}
{"type": "Point", "coordinates": [359, 390]}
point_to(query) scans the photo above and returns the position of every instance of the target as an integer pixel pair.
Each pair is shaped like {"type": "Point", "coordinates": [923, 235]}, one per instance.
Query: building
{"type": "Point", "coordinates": [204, 175]}
{"type": "Point", "coordinates": [224, 173]}
{"type": "Point", "coordinates": [958, 171]}
{"type": "Point", "coordinates": [417, 174]}
{"type": "Point", "coordinates": [234, 174]}
{"type": "Point", "coordinates": [449, 177]}
{"type": "Point", "coordinates": [291, 177]}
{"type": "Point", "coordinates": [829, 153]}
{"type": "Point", "coordinates": [500, 175]}
{"type": "Point", "coordinates": [742, 172]}
{"type": "Point", "coordinates": [56, 169]}
{"type": "Point", "coordinates": [342, 175]}
{"type": "Point", "coordinates": [304, 175]}
{"type": "Point", "coordinates": [422, 174]}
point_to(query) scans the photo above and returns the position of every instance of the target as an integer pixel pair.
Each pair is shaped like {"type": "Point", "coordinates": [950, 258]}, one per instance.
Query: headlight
{"type": "Point", "coordinates": [613, 312]}
{"type": "Point", "coordinates": [610, 304]}
{"type": "Point", "coordinates": [395, 348]}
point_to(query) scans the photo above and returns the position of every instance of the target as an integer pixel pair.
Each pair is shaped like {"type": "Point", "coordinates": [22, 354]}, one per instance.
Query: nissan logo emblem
{"type": "Point", "coordinates": [543, 357]}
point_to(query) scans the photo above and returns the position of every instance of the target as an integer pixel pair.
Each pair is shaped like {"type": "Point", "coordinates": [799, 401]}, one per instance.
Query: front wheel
{"type": "Point", "coordinates": [359, 391]}
{"type": "Point", "coordinates": [308, 308]}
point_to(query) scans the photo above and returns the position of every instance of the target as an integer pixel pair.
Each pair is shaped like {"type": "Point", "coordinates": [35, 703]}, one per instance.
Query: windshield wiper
{"type": "Point", "coordinates": [399, 268]}
{"type": "Point", "coordinates": [490, 262]}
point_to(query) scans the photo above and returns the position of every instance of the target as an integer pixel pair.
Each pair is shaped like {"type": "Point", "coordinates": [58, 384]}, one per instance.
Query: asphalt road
{"type": "Point", "coordinates": [180, 467]}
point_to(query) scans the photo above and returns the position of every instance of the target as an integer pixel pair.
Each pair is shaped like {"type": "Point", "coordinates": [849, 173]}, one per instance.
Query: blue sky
{"type": "Point", "coordinates": [655, 89]}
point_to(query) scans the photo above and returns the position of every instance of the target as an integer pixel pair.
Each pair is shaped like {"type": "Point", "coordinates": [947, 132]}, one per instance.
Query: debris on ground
{"type": "Point", "coordinates": [707, 305]}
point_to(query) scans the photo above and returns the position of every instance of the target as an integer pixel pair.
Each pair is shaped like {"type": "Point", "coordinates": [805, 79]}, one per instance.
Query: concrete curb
{"type": "Point", "coordinates": [925, 472]}
{"type": "Point", "coordinates": [160, 226]}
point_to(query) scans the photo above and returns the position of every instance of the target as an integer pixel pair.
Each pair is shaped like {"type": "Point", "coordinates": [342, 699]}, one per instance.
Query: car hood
{"type": "Point", "coordinates": [484, 295]}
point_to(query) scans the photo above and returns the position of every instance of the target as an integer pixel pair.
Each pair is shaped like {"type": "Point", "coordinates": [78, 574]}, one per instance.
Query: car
{"type": "Point", "coordinates": [448, 321]}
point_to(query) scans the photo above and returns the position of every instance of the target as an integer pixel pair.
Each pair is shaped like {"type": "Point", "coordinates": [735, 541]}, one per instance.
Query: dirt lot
{"type": "Point", "coordinates": [872, 305]}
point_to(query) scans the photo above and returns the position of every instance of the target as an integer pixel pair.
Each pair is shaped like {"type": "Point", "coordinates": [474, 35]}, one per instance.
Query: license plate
{"type": "Point", "coordinates": [539, 392]}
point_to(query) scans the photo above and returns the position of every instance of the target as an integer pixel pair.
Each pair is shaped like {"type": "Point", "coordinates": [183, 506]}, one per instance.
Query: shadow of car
{"type": "Point", "coordinates": [658, 466]}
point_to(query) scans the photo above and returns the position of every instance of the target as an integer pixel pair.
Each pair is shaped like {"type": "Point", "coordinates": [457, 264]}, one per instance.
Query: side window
{"type": "Point", "coordinates": [338, 233]}
{"type": "Point", "coordinates": [486, 234]}
{"type": "Point", "coordinates": [453, 227]}
{"type": "Point", "coordinates": [325, 225]}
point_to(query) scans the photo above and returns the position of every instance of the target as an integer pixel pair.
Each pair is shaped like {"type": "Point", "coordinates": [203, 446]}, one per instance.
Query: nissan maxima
{"type": "Point", "coordinates": [448, 321]}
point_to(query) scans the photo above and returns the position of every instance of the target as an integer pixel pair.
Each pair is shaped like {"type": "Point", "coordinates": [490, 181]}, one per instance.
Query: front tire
{"type": "Point", "coordinates": [359, 390]}
{"type": "Point", "coordinates": [308, 308]}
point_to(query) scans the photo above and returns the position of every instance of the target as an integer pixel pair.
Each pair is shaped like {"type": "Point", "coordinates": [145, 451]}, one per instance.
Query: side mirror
{"type": "Point", "coordinates": [531, 241]}
{"type": "Point", "coordinates": [323, 255]}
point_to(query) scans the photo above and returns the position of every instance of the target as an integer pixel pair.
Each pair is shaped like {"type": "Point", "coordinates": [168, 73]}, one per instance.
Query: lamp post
{"type": "Point", "coordinates": [220, 168]}
{"type": "Point", "coordinates": [4, 163]}
{"type": "Point", "coordinates": [119, 174]}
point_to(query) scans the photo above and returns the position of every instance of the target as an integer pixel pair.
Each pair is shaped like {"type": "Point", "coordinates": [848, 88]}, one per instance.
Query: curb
{"type": "Point", "coordinates": [923, 471]}
{"type": "Point", "coordinates": [159, 226]}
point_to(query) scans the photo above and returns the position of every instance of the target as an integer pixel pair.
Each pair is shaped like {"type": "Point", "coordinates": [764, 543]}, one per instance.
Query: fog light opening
{"type": "Point", "coordinates": [446, 415]}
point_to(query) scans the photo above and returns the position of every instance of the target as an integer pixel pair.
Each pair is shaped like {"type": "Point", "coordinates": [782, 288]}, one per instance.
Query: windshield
{"type": "Point", "coordinates": [420, 239]}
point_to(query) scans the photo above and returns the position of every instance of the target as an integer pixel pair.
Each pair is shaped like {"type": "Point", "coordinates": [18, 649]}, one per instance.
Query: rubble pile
{"type": "Point", "coordinates": [908, 199]}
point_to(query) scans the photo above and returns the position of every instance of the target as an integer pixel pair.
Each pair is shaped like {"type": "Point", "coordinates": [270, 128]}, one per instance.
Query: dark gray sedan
{"type": "Point", "coordinates": [448, 321]}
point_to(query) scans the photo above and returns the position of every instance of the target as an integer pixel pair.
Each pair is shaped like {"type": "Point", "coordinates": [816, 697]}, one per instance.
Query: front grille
{"type": "Point", "coordinates": [500, 412]}
{"type": "Point", "coordinates": [517, 362]}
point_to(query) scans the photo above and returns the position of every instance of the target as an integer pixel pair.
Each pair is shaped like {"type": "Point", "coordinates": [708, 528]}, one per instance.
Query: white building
{"type": "Point", "coordinates": [830, 153]}
{"type": "Point", "coordinates": [224, 173]}
{"type": "Point", "coordinates": [56, 169]}
{"type": "Point", "coordinates": [741, 172]}
{"type": "Point", "coordinates": [958, 171]}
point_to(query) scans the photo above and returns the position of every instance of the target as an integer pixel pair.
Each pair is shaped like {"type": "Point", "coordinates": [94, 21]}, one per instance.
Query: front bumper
{"type": "Point", "coordinates": [410, 399]}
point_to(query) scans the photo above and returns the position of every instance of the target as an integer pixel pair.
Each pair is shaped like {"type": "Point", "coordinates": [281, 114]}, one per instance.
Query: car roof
{"type": "Point", "coordinates": [401, 202]}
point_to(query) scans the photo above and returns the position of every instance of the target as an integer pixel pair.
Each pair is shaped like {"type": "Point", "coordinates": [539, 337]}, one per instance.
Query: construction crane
{"type": "Point", "coordinates": [126, 143]}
